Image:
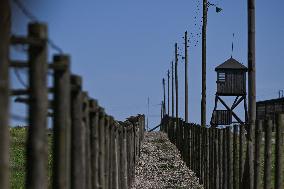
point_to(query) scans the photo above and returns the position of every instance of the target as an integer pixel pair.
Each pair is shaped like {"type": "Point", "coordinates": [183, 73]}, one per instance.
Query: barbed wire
{"type": "Point", "coordinates": [33, 18]}
{"type": "Point", "coordinates": [19, 78]}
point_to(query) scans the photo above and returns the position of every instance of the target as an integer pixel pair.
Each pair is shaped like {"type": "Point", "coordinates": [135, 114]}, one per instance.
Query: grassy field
{"type": "Point", "coordinates": [18, 157]}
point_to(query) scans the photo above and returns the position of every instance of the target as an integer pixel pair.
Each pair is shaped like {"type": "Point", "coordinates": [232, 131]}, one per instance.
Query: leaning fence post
{"type": "Point", "coordinates": [78, 175]}
{"type": "Point", "coordinates": [267, 154]}
{"type": "Point", "coordinates": [38, 105]}
{"type": "Point", "coordinates": [5, 23]}
{"type": "Point", "coordinates": [279, 151]}
{"type": "Point", "coordinates": [94, 128]}
{"type": "Point", "coordinates": [61, 122]}
{"type": "Point", "coordinates": [258, 140]}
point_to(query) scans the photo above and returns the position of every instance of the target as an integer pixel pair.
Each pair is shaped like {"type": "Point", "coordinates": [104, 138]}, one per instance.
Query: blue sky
{"type": "Point", "coordinates": [123, 48]}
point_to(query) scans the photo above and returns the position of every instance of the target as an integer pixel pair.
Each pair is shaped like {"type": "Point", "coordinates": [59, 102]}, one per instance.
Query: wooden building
{"type": "Point", "coordinates": [231, 81]}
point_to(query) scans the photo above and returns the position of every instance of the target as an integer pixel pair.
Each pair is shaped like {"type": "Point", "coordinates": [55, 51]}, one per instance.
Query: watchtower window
{"type": "Point", "coordinates": [221, 77]}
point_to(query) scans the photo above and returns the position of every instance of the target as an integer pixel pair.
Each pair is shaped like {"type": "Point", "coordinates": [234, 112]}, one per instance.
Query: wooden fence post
{"type": "Point", "coordinates": [279, 151]}
{"type": "Point", "coordinates": [94, 129]}
{"type": "Point", "coordinates": [62, 123]}
{"type": "Point", "coordinates": [107, 150]}
{"type": "Point", "coordinates": [229, 158]}
{"type": "Point", "coordinates": [78, 176]}
{"type": "Point", "coordinates": [235, 160]}
{"type": "Point", "coordinates": [267, 154]}
{"type": "Point", "coordinates": [220, 160]}
{"type": "Point", "coordinates": [207, 163]}
{"type": "Point", "coordinates": [86, 124]}
{"type": "Point", "coordinates": [101, 148]}
{"type": "Point", "coordinates": [111, 151]}
{"type": "Point", "coordinates": [123, 159]}
{"type": "Point", "coordinates": [5, 33]}
{"type": "Point", "coordinates": [115, 182]}
{"type": "Point", "coordinates": [241, 164]}
{"type": "Point", "coordinates": [258, 141]}
{"type": "Point", "coordinates": [38, 105]}
{"type": "Point", "coordinates": [216, 157]}
{"type": "Point", "coordinates": [225, 170]}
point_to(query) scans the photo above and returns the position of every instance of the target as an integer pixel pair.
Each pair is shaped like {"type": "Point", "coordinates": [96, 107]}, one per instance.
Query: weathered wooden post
{"type": "Point", "coordinates": [61, 122]}
{"type": "Point", "coordinates": [107, 150]}
{"type": "Point", "coordinates": [257, 145]}
{"type": "Point", "coordinates": [216, 159]}
{"type": "Point", "coordinates": [86, 124]}
{"type": "Point", "coordinates": [225, 170]}
{"type": "Point", "coordinates": [267, 154]}
{"type": "Point", "coordinates": [241, 164]}
{"type": "Point", "coordinates": [115, 178]}
{"type": "Point", "coordinates": [78, 176]}
{"type": "Point", "coordinates": [123, 157]}
{"type": "Point", "coordinates": [94, 129]}
{"type": "Point", "coordinates": [279, 151]}
{"type": "Point", "coordinates": [111, 150]}
{"type": "Point", "coordinates": [5, 27]}
{"type": "Point", "coordinates": [207, 163]}
{"type": "Point", "coordinates": [101, 148]}
{"type": "Point", "coordinates": [220, 156]}
{"type": "Point", "coordinates": [229, 158]}
{"type": "Point", "coordinates": [38, 105]}
{"type": "Point", "coordinates": [235, 162]}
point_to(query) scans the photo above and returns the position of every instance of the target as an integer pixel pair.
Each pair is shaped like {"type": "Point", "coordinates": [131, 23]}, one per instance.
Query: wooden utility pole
{"type": "Point", "coordinates": [173, 98]}
{"type": "Point", "coordinates": [203, 100]}
{"type": "Point", "coordinates": [186, 78]}
{"type": "Point", "coordinates": [176, 78]}
{"type": "Point", "coordinates": [5, 26]}
{"type": "Point", "coordinates": [249, 167]}
{"type": "Point", "coordinates": [164, 101]}
{"type": "Point", "coordinates": [168, 92]}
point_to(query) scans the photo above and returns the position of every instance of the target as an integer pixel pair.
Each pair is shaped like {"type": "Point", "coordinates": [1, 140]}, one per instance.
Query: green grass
{"type": "Point", "coordinates": [18, 157]}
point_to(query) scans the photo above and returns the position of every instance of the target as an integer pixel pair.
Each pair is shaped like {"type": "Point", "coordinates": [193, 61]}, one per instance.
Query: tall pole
{"type": "Point", "coordinates": [248, 179]}
{"type": "Point", "coordinates": [168, 92]}
{"type": "Point", "coordinates": [203, 100]}
{"type": "Point", "coordinates": [164, 101]}
{"type": "Point", "coordinates": [148, 110]}
{"type": "Point", "coordinates": [186, 78]}
{"type": "Point", "coordinates": [173, 97]}
{"type": "Point", "coordinates": [176, 78]}
{"type": "Point", "coordinates": [5, 26]}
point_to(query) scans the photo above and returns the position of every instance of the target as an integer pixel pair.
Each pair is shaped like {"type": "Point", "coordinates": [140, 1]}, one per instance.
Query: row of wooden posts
{"type": "Point", "coordinates": [90, 149]}
{"type": "Point", "coordinates": [218, 155]}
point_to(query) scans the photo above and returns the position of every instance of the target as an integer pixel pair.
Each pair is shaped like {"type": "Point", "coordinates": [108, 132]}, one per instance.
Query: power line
{"type": "Point", "coordinates": [33, 18]}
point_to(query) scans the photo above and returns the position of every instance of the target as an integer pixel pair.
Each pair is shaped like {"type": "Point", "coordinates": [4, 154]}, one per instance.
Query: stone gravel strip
{"type": "Point", "coordinates": [161, 166]}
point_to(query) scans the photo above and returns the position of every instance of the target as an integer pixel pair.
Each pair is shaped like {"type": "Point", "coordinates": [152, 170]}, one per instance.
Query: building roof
{"type": "Point", "coordinates": [231, 64]}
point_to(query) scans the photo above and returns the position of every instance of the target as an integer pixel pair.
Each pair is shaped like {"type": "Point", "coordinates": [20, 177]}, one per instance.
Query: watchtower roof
{"type": "Point", "coordinates": [231, 64]}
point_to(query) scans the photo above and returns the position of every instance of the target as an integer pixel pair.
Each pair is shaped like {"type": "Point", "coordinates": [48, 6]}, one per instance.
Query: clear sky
{"type": "Point", "coordinates": [124, 48]}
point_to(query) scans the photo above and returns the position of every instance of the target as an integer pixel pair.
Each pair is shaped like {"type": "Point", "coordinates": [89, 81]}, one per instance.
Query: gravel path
{"type": "Point", "coordinates": [160, 165]}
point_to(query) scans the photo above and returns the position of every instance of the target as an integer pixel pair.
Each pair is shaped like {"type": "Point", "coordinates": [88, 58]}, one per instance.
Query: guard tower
{"type": "Point", "coordinates": [231, 82]}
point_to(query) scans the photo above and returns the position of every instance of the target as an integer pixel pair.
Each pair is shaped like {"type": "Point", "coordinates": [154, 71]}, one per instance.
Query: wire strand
{"type": "Point", "coordinates": [19, 78]}
{"type": "Point", "coordinates": [33, 18]}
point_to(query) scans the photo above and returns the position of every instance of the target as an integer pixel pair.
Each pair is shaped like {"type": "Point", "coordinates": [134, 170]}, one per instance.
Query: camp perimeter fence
{"type": "Point", "coordinates": [218, 155]}
{"type": "Point", "coordinates": [90, 149]}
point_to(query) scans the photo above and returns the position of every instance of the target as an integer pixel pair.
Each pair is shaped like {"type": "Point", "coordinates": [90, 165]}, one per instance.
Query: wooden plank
{"type": "Point", "coordinates": [241, 148]}
{"type": "Point", "coordinates": [101, 148]}
{"type": "Point", "coordinates": [5, 30]}
{"type": "Point", "coordinates": [62, 124]}
{"type": "Point", "coordinates": [37, 145]}
{"type": "Point", "coordinates": [229, 158]}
